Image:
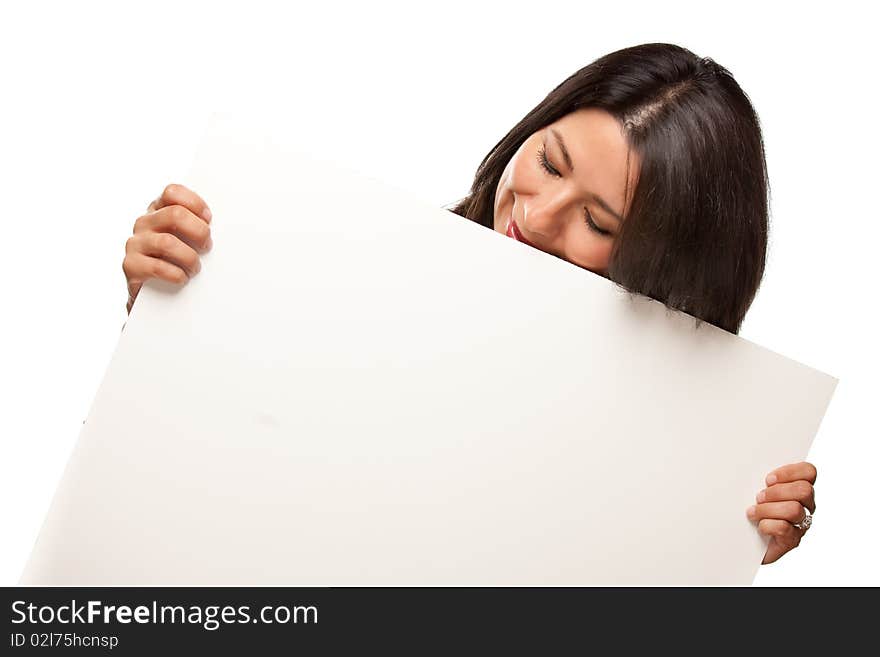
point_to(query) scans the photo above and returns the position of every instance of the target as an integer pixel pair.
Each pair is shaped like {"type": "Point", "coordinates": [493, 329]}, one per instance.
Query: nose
{"type": "Point", "coordinates": [542, 217]}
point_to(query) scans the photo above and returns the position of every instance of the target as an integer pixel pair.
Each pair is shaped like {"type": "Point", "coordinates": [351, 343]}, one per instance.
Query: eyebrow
{"type": "Point", "coordinates": [599, 200]}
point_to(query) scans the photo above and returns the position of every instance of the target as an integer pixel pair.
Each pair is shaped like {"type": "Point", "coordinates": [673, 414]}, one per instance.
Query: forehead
{"type": "Point", "coordinates": [598, 149]}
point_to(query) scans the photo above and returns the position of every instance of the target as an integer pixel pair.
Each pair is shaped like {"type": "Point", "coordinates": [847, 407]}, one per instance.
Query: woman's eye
{"type": "Point", "coordinates": [592, 224]}
{"type": "Point", "coordinates": [545, 163]}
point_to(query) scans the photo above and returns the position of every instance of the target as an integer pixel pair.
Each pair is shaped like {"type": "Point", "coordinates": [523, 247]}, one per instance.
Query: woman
{"type": "Point", "coordinates": [646, 166]}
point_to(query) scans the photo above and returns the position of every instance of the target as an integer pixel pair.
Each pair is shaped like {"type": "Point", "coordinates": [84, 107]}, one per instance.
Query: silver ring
{"type": "Point", "coordinates": [806, 522]}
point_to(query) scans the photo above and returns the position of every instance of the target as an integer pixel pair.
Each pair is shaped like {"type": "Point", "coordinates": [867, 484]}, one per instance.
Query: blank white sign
{"type": "Point", "coordinates": [361, 388]}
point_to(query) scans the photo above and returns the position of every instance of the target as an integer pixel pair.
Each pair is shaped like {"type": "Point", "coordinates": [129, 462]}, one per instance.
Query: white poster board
{"type": "Point", "coordinates": [360, 388]}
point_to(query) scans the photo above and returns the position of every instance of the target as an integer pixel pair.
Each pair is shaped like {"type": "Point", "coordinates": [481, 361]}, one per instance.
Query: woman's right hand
{"type": "Point", "coordinates": [167, 239]}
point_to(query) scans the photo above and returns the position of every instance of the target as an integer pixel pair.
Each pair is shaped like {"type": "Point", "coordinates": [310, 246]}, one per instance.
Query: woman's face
{"type": "Point", "coordinates": [574, 209]}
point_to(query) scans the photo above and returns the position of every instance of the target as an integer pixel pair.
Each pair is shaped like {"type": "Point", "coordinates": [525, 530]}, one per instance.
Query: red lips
{"type": "Point", "coordinates": [513, 231]}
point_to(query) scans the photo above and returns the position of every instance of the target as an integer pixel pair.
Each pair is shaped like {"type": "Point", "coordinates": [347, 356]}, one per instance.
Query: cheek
{"type": "Point", "coordinates": [521, 174]}
{"type": "Point", "coordinates": [589, 251]}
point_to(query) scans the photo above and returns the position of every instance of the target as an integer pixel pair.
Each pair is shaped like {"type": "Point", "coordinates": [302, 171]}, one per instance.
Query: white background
{"type": "Point", "coordinates": [103, 104]}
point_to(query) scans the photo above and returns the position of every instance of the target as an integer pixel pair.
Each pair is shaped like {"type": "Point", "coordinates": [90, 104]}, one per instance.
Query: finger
{"type": "Point", "coordinates": [179, 221]}
{"type": "Point", "coordinates": [784, 532]}
{"type": "Point", "coordinates": [139, 267]}
{"type": "Point", "coordinates": [792, 472]}
{"type": "Point", "coordinates": [164, 246]}
{"type": "Point", "coordinates": [175, 194]}
{"type": "Point", "coordinates": [800, 491]}
{"type": "Point", "coordinates": [172, 249]}
{"type": "Point", "coordinates": [789, 511]}
{"type": "Point", "coordinates": [784, 537]}
{"type": "Point", "coordinates": [775, 549]}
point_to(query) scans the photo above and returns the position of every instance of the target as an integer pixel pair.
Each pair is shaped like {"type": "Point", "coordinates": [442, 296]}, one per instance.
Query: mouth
{"type": "Point", "coordinates": [514, 232]}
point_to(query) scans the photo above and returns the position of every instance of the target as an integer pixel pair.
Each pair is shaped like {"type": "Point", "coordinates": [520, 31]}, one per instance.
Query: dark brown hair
{"type": "Point", "coordinates": [695, 236]}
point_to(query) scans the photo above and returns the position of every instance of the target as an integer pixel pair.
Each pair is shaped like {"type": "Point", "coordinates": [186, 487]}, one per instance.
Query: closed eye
{"type": "Point", "coordinates": [545, 163]}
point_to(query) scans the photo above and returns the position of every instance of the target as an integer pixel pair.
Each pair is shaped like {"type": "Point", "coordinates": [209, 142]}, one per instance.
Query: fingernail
{"type": "Point", "coordinates": [762, 495]}
{"type": "Point", "coordinates": [771, 479]}
{"type": "Point", "coordinates": [207, 215]}
{"type": "Point", "coordinates": [750, 512]}
{"type": "Point", "coordinates": [209, 243]}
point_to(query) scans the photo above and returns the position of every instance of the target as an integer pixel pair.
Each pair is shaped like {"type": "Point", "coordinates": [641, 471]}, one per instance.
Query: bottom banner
{"type": "Point", "coordinates": [145, 620]}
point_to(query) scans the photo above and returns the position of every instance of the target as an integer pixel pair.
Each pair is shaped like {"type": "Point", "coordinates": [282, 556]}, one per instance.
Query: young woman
{"type": "Point", "coordinates": [646, 166]}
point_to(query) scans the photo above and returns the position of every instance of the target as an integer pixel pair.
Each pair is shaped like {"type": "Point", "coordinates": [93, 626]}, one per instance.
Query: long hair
{"type": "Point", "coordinates": [695, 236]}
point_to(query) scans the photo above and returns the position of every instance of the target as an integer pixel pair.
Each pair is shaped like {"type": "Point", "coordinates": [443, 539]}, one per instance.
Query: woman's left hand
{"type": "Point", "coordinates": [781, 505]}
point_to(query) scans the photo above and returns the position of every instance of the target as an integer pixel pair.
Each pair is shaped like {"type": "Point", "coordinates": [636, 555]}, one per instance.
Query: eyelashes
{"type": "Point", "coordinates": [545, 163]}
{"type": "Point", "coordinates": [550, 169]}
